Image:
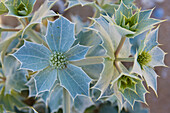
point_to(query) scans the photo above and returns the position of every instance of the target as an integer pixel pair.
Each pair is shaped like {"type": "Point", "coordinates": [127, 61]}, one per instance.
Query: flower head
{"type": "Point", "coordinates": [54, 63]}
{"type": "Point", "coordinates": [147, 56]}
{"type": "Point", "coordinates": [20, 8]}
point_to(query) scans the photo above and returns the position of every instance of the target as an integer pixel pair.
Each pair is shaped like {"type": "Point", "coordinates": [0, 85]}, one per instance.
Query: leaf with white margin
{"type": "Point", "coordinates": [77, 52]}
{"type": "Point", "coordinates": [43, 12]}
{"type": "Point", "coordinates": [93, 70]}
{"type": "Point", "coordinates": [139, 95]}
{"type": "Point", "coordinates": [17, 6]}
{"type": "Point", "coordinates": [81, 103]}
{"type": "Point", "coordinates": [33, 56]}
{"type": "Point", "coordinates": [45, 79]}
{"type": "Point", "coordinates": [15, 79]}
{"type": "Point", "coordinates": [32, 87]}
{"type": "Point", "coordinates": [105, 77]}
{"type": "Point", "coordinates": [151, 77]}
{"type": "Point", "coordinates": [72, 3]}
{"type": "Point", "coordinates": [158, 56]}
{"type": "Point", "coordinates": [74, 80]}
{"type": "Point", "coordinates": [93, 39]}
{"type": "Point", "coordinates": [151, 40]}
{"type": "Point", "coordinates": [60, 34]}
{"type": "Point", "coordinates": [111, 37]}
{"type": "Point", "coordinates": [55, 98]}
{"type": "Point", "coordinates": [136, 42]}
{"type": "Point", "coordinates": [3, 8]}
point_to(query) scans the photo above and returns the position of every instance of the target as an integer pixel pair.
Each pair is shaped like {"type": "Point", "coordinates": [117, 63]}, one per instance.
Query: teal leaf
{"type": "Point", "coordinates": [33, 56]}
{"type": "Point", "coordinates": [55, 98]}
{"type": "Point", "coordinates": [157, 57]}
{"type": "Point", "coordinates": [20, 8]}
{"type": "Point", "coordinates": [147, 24]}
{"type": "Point", "coordinates": [144, 15]}
{"type": "Point", "coordinates": [105, 77]}
{"type": "Point", "coordinates": [93, 71]}
{"type": "Point", "coordinates": [151, 40]}
{"type": "Point", "coordinates": [72, 3]}
{"type": "Point", "coordinates": [136, 66]}
{"type": "Point", "coordinates": [136, 42]}
{"type": "Point", "coordinates": [93, 39]}
{"type": "Point", "coordinates": [45, 79]}
{"type": "Point", "coordinates": [132, 96]}
{"type": "Point", "coordinates": [77, 52]}
{"type": "Point", "coordinates": [75, 80]}
{"type": "Point", "coordinates": [15, 79]}
{"type": "Point", "coordinates": [43, 12]}
{"type": "Point", "coordinates": [82, 102]}
{"type": "Point", "coordinates": [110, 8]}
{"type": "Point", "coordinates": [60, 34]}
{"type": "Point", "coordinates": [150, 77]}
{"type": "Point", "coordinates": [32, 87]}
{"type": "Point", "coordinates": [3, 8]}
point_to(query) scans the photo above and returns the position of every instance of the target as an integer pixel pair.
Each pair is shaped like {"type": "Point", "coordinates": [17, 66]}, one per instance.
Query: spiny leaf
{"type": "Point", "coordinates": [43, 12]}
{"type": "Point", "coordinates": [15, 79]}
{"type": "Point", "coordinates": [60, 35]}
{"type": "Point", "coordinates": [77, 52]}
{"type": "Point", "coordinates": [105, 77]}
{"type": "Point", "coordinates": [3, 8]}
{"type": "Point", "coordinates": [33, 56]}
{"type": "Point", "coordinates": [20, 8]}
{"type": "Point", "coordinates": [151, 77]}
{"type": "Point", "coordinates": [82, 102]}
{"type": "Point", "coordinates": [45, 79]}
{"type": "Point", "coordinates": [132, 96]}
{"type": "Point", "coordinates": [75, 80]}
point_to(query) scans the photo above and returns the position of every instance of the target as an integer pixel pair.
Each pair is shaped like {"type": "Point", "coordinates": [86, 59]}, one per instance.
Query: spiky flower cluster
{"type": "Point", "coordinates": [58, 60]}
{"type": "Point", "coordinates": [22, 9]}
{"type": "Point", "coordinates": [144, 58]}
{"type": "Point", "coordinates": [126, 82]}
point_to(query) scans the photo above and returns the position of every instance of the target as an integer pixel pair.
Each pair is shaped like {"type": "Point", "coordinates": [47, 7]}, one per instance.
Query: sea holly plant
{"type": "Point", "coordinates": [78, 67]}
{"type": "Point", "coordinates": [20, 8]}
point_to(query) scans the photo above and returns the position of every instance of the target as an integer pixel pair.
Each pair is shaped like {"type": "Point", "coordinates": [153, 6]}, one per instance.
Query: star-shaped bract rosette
{"type": "Point", "coordinates": [147, 56]}
{"type": "Point", "coordinates": [53, 63]}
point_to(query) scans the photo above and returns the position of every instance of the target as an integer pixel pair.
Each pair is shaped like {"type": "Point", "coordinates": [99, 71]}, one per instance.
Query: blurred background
{"type": "Point", "coordinates": [160, 104]}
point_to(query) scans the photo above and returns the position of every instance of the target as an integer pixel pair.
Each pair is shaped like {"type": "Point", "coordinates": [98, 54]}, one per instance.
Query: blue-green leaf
{"type": "Point", "coordinates": [132, 96]}
{"type": "Point", "coordinates": [75, 80]}
{"type": "Point", "coordinates": [77, 52]}
{"type": "Point", "coordinates": [33, 56]}
{"type": "Point", "coordinates": [93, 71]}
{"type": "Point", "coordinates": [45, 79]}
{"type": "Point", "coordinates": [55, 98]}
{"type": "Point", "coordinates": [157, 57]}
{"type": "Point", "coordinates": [105, 77]}
{"type": "Point", "coordinates": [151, 77]}
{"type": "Point", "coordinates": [60, 34]}
{"type": "Point", "coordinates": [32, 87]}
{"type": "Point", "coordinates": [72, 3]}
{"type": "Point", "coordinates": [81, 103]}
{"type": "Point", "coordinates": [15, 79]}
{"type": "Point", "coordinates": [43, 12]}
{"type": "Point", "coordinates": [144, 15]}
{"type": "Point", "coordinates": [151, 40]}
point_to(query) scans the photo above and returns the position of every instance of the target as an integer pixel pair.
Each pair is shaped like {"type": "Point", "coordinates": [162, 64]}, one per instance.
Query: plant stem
{"type": "Point", "coordinates": [120, 46]}
{"type": "Point", "coordinates": [116, 63]}
{"type": "Point", "coordinates": [66, 101]}
{"type": "Point", "coordinates": [27, 21]}
{"type": "Point", "coordinates": [11, 30]}
{"type": "Point", "coordinates": [131, 59]}
{"type": "Point", "coordinates": [22, 22]}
